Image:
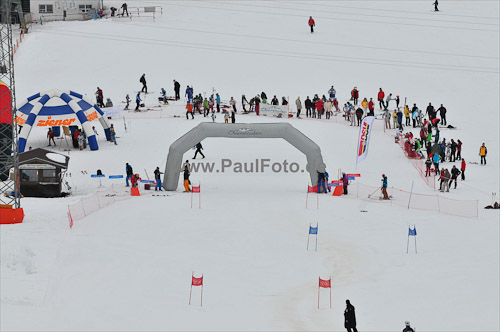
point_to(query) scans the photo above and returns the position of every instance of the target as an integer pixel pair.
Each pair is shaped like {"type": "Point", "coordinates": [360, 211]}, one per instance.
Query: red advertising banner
{"type": "Point", "coordinates": [5, 104]}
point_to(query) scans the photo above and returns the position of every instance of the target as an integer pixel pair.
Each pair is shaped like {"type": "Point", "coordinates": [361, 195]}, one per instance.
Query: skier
{"type": "Point", "coordinates": [50, 136]}
{"type": "Point", "coordinates": [158, 179]}
{"type": "Point", "coordinates": [436, 158]}
{"type": "Point", "coordinates": [177, 88]}
{"type": "Point", "coordinates": [322, 182]}
{"type": "Point", "coordinates": [243, 101]}
{"type": "Point", "coordinates": [345, 182]}
{"type": "Point", "coordinates": [298, 103]}
{"type": "Point", "coordinates": [309, 105]}
{"type": "Point", "coordinates": [199, 147]}
{"type": "Point", "coordinates": [130, 173]}
{"type": "Point", "coordinates": [113, 10]}
{"type": "Point", "coordinates": [138, 100]}
{"type": "Point", "coordinates": [407, 323]}
{"type": "Point", "coordinates": [436, 6]}
{"type": "Point", "coordinates": [380, 98]}
{"type": "Point", "coordinates": [257, 105]}
{"type": "Point", "coordinates": [483, 152]}
{"type": "Point", "coordinates": [143, 81]}
{"type": "Point", "coordinates": [454, 175]}
{"type": "Point", "coordinates": [186, 179]}
{"type": "Point", "coordinates": [127, 99]}
{"type": "Point", "coordinates": [312, 23]}
{"type": "Point", "coordinates": [189, 94]}
{"type": "Point", "coordinates": [384, 186]}
{"type": "Point", "coordinates": [462, 169]}
{"type": "Point", "coordinates": [442, 113]}
{"type": "Point", "coordinates": [332, 92]}
{"type": "Point", "coordinates": [124, 9]}
{"type": "Point", "coordinates": [350, 317]}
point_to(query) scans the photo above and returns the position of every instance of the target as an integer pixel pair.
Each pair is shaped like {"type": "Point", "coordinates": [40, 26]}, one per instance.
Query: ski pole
{"type": "Point", "coordinates": [373, 192]}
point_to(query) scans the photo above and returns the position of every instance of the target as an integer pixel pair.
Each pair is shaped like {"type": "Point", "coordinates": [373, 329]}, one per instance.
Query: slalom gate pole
{"type": "Point", "coordinates": [318, 294]}
{"type": "Point", "coordinates": [317, 229]}
{"type": "Point", "coordinates": [415, 240]}
{"type": "Point", "coordinates": [308, 235]}
{"type": "Point", "coordinates": [191, 291]}
{"type": "Point", "coordinates": [191, 199]}
{"type": "Point", "coordinates": [307, 196]}
{"type": "Point", "coordinates": [411, 191]}
{"type": "Point", "coordinates": [201, 301]}
{"type": "Point", "coordinates": [408, 244]}
{"type": "Point", "coordinates": [330, 292]}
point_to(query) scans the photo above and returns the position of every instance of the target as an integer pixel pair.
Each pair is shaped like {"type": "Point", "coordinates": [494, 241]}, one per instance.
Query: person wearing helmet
{"type": "Point", "coordinates": [407, 327]}
{"type": "Point", "coordinates": [384, 186]}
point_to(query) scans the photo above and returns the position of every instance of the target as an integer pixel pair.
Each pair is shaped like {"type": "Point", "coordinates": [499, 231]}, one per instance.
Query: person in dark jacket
{"type": "Point", "coordinates": [454, 175]}
{"type": "Point", "coordinates": [359, 115]}
{"type": "Point", "coordinates": [199, 147]}
{"type": "Point", "coordinates": [482, 153]}
{"type": "Point", "coordinates": [144, 85]}
{"type": "Point", "coordinates": [431, 112]}
{"type": "Point", "coordinates": [442, 113]}
{"type": "Point", "coordinates": [453, 148]}
{"type": "Point", "coordinates": [186, 179]}
{"type": "Point", "coordinates": [124, 9]}
{"type": "Point", "coordinates": [264, 97]}
{"type": "Point", "coordinates": [275, 101]}
{"type": "Point", "coordinates": [309, 105]}
{"type": "Point", "coordinates": [243, 102]}
{"type": "Point", "coordinates": [345, 182]}
{"type": "Point", "coordinates": [350, 317]}
{"type": "Point", "coordinates": [459, 149]}
{"type": "Point", "coordinates": [428, 165]}
{"type": "Point", "coordinates": [407, 323]}
{"type": "Point", "coordinates": [384, 186]}
{"type": "Point", "coordinates": [177, 89]}
{"type": "Point", "coordinates": [130, 173]}
{"type": "Point", "coordinates": [158, 178]}
{"type": "Point", "coordinates": [284, 101]}
{"type": "Point", "coordinates": [436, 6]}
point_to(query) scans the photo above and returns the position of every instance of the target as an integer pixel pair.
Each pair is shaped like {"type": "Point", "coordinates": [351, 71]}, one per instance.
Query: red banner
{"type": "Point", "coordinates": [312, 189]}
{"type": "Point", "coordinates": [336, 181]}
{"type": "Point", "coordinates": [197, 281]}
{"type": "Point", "coordinates": [5, 104]}
{"type": "Point", "coordinates": [325, 283]}
{"type": "Point", "coordinates": [196, 189]}
{"type": "Point", "coordinates": [354, 175]}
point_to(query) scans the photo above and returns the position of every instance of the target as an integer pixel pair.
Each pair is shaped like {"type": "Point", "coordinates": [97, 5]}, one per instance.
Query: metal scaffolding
{"type": "Point", "coordinates": [9, 157]}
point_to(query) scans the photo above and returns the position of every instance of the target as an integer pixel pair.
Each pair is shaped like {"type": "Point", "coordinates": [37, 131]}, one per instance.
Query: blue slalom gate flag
{"type": "Point", "coordinates": [115, 177]}
{"type": "Point", "coordinates": [97, 176]}
{"type": "Point", "coordinates": [411, 232]}
{"type": "Point", "coordinates": [313, 231]}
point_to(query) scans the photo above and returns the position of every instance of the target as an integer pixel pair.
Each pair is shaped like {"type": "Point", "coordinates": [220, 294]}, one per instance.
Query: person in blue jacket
{"type": "Point", "coordinates": [189, 94]}
{"type": "Point", "coordinates": [384, 186]}
{"type": "Point", "coordinates": [217, 102]}
{"type": "Point", "coordinates": [400, 119]}
{"type": "Point", "coordinates": [436, 158]}
{"type": "Point", "coordinates": [158, 178]}
{"type": "Point", "coordinates": [322, 182]}
{"type": "Point", "coordinates": [138, 100]}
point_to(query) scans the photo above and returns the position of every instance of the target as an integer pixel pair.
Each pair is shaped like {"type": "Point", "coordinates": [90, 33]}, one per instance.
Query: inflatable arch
{"type": "Point", "coordinates": [241, 130]}
{"type": "Point", "coordinates": [59, 108]}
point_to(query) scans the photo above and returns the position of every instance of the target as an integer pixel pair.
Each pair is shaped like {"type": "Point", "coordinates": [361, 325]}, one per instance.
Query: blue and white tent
{"type": "Point", "coordinates": [59, 108]}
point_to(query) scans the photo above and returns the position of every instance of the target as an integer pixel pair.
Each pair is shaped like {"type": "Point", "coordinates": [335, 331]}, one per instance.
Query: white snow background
{"type": "Point", "coordinates": [128, 266]}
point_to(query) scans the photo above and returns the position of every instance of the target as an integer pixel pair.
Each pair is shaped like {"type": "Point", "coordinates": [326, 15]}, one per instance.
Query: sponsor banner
{"type": "Point", "coordinates": [364, 138]}
{"type": "Point", "coordinates": [111, 111]}
{"type": "Point", "coordinates": [273, 110]}
{"type": "Point", "coordinates": [57, 120]}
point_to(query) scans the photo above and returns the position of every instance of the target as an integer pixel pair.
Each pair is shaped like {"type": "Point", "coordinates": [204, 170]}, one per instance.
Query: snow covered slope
{"type": "Point", "coordinates": [128, 266]}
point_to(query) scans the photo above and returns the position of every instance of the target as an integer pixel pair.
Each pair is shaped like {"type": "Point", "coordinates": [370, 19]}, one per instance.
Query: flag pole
{"type": "Point", "coordinates": [408, 242]}
{"type": "Point", "coordinates": [317, 236]}
{"type": "Point", "coordinates": [199, 196]}
{"type": "Point", "coordinates": [330, 292]}
{"type": "Point", "coordinates": [415, 238]}
{"type": "Point", "coordinates": [201, 302]}
{"type": "Point", "coordinates": [308, 235]}
{"type": "Point", "coordinates": [318, 292]}
{"type": "Point", "coordinates": [191, 291]}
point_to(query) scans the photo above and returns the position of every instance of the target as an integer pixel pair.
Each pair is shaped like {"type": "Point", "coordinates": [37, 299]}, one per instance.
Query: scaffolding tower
{"type": "Point", "coordinates": [9, 156]}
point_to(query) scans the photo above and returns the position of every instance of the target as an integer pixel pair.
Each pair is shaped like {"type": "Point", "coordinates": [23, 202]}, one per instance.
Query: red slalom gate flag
{"type": "Point", "coordinates": [354, 175]}
{"type": "Point", "coordinates": [196, 189]}
{"type": "Point", "coordinates": [325, 284]}
{"type": "Point", "coordinates": [196, 282]}
{"type": "Point", "coordinates": [312, 189]}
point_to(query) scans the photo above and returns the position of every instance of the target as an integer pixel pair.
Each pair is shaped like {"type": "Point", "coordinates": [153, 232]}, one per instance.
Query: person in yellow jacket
{"type": "Point", "coordinates": [407, 115]}
{"type": "Point", "coordinates": [364, 105]}
{"type": "Point", "coordinates": [483, 152]}
{"type": "Point", "coordinates": [186, 179]}
{"type": "Point", "coordinates": [395, 118]}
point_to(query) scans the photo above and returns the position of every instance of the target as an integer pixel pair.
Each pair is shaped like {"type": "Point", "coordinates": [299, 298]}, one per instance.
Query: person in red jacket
{"type": "Point", "coordinates": [319, 107]}
{"type": "Point", "coordinates": [380, 98]}
{"type": "Point", "coordinates": [371, 107]}
{"type": "Point", "coordinates": [311, 23]}
{"type": "Point", "coordinates": [462, 168]}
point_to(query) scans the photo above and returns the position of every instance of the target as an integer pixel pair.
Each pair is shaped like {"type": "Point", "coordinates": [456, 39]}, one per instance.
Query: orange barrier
{"type": "Point", "coordinates": [134, 191]}
{"type": "Point", "coordinates": [339, 190]}
{"type": "Point", "coordinates": [8, 215]}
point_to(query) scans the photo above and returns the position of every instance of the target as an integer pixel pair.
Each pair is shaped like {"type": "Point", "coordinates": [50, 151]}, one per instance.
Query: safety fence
{"type": "Point", "coordinates": [15, 44]}
{"type": "Point", "coordinates": [97, 201]}
{"type": "Point", "coordinates": [411, 200]}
